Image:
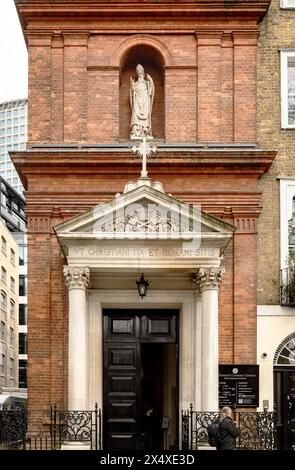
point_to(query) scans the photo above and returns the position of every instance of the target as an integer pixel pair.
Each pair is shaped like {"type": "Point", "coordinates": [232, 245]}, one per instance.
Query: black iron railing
{"type": "Point", "coordinates": [287, 287]}
{"type": "Point", "coordinates": [257, 429]}
{"type": "Point", "coordinates": [50, 429]}
{"type": "Point", "coordinates": [13, 427]}
{"type": "Point", "coordinates": [73, 426]}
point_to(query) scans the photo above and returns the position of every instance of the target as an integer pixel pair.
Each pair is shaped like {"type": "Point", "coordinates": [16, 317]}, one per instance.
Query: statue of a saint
{"type": "Point", "coordinates": [142, 93]}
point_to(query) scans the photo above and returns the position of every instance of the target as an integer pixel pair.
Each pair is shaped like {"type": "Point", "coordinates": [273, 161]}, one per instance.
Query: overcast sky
{"type": "Point", "coordinates": [13, 55]}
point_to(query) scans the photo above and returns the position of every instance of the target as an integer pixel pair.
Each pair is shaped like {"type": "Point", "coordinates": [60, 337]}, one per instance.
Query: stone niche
{"type": "Point", "coordinates": [153, 65]}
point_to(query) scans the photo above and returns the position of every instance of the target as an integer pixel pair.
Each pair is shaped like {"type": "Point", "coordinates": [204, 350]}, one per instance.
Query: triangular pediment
{"type": "Point", "coordinates": [144, 212]}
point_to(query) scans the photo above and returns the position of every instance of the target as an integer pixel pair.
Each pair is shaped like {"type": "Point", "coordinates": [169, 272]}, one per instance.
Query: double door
{"type": "Point", "coordinates": [140, 370]}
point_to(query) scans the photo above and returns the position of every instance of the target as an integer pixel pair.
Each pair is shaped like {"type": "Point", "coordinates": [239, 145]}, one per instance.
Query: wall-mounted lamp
{"type": "Point", "coordinates": [142, 286]}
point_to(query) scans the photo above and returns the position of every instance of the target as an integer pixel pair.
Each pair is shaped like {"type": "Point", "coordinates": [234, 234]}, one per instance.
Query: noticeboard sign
{"type": "Point", "coordinates": [239, 385]}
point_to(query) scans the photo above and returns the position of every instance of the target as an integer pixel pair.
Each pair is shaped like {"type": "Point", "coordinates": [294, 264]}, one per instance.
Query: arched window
{"type": "Point", "coordinates": [152, 62]}
{"type": "Point", "coordinates": [12, 308]}
{"type": "Point", "coordinates": [285, 353]}
{"type": "Point", "coordinates": [3, 245]}
{"type": "Point", "coordinates": [3, 301]}
{"type": "Point", "coordinates": [3, 275]}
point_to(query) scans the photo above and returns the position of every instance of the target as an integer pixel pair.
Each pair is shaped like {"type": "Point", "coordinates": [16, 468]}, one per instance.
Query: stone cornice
{"type": "Point", "coordinates": [185, 10]}
{"type": "Point", "coordinates": [250, 162]}
{"type": "Point", "coordinates": [239, 208]}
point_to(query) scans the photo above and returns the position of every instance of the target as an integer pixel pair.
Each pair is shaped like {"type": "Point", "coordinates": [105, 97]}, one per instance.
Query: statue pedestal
{"type": "Point", "coordinates": [143, 181]}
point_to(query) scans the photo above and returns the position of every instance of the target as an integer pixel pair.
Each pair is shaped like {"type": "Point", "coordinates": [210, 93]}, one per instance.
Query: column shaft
{"type": "Point", "coordinates": [77, 350]}
{"type": "Point", "coordinates": [207, 281]}
{"type": "Point", "coordinates": [77, 279]}
{"type": "Point", "coordinates": [210, 350]}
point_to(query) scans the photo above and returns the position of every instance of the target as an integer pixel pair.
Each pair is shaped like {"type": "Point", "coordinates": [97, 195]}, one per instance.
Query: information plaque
{"type": "Point", "coordinates": [239, 385]}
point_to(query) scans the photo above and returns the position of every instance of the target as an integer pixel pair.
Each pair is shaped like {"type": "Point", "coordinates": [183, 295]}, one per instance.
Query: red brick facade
{"type": "Point", "coordinates": [205, 75]}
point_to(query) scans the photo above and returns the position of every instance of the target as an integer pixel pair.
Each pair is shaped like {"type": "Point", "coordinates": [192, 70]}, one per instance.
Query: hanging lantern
{"type": "Point", "coordinates": [142, 286]}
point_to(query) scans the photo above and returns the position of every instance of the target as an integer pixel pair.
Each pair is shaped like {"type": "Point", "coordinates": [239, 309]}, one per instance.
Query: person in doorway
{"type": "Point", "coordinates": [151, 427]}
{"type": "Point", "coordinates": [228, 431]}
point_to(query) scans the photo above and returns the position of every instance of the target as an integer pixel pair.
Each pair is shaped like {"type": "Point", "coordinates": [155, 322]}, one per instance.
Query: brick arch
{"type": "Point", "coordinates": [118, 56]}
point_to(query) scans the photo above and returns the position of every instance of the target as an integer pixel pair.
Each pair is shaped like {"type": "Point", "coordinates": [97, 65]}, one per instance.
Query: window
{"type": "Point", "coordinates": [2, 364]}
{"type": "Point", "coordinates": [22, 374]}
{"type": "Point", "coordinates": [287, 89]}
{"type": "Point", "coordinates": [12, 307]}
{"type": "Point", "coordinates": [12, 256]}
{"type": "Point", "coordinates": [285, 353]}
{"type": "Point", "coordinates": [11, 367]}
{"type": "Point", "coordinates": [287, 3]}
{"type": "Point", "coordinates": [3, 335]}
{"type": "Point", "coordinates": [11, 336]}
{"type": "Point", "coordinates": [287, 219]}
{"type": "Point", "coordinates": [22, 285]}
{"type": "Point", "coordinates": [3, 245]}
{"type": "Point", "coordinates": [3, 274]}
{"type": "Point", "coordinates": [12, 284]}
{"type": "Point", "coordinates": [23, 314]}
{"type": "Point", "coordinates": [23, 343]}
{"type": "Point", "coordinates": [23, 256]}
{"type": "Point", "coordinates": [3, 301]}
{"type": "Point", "coordinates": [291, 230]}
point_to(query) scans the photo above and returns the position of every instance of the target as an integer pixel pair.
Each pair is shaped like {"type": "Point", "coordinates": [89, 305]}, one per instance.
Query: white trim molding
{"type": "Point", "coordinates": [287, 4]}
{"type": "Point", "coordinates": [275, 311]}
{"type": "Point", "coordinates": [287, 56]}
{"type": "Point", "coordinates": [287, 192]}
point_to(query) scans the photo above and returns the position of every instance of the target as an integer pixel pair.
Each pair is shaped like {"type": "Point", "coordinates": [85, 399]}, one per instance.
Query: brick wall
{"type": "Point", "coordinates": [205, 83]}
{"type": "Point", "coordinates": [277, 31]}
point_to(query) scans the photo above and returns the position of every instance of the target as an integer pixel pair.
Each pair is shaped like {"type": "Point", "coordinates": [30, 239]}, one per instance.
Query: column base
{"type": "Point", "coordinates": [79, 445]}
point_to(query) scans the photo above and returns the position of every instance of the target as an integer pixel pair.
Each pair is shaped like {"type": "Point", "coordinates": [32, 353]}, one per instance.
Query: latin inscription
{"type": "Point", "coordinates": [137, 252]}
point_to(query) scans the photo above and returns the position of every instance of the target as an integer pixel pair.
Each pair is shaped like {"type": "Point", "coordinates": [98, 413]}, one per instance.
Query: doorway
{"type": "Point", "coordinates": [140, 373]}
{"type": "Point", "coordinates": [284, 395]}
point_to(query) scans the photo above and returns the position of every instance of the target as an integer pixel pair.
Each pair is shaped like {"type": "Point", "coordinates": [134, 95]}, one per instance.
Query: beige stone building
{"type": "Point", "coordinates": [9, 265]}
{"type": "Point", "coordinates": [276, 225]}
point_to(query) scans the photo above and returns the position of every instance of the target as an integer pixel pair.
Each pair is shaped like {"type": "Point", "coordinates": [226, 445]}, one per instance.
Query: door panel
{"type": "Point", "coordinates": [159, 328]}
{"type": "Point", "coordinates": [121, 394]}
{"type": "Point", "coordinates": [121, 326]}
{"type": "Point", "coordinates": [124, 333]}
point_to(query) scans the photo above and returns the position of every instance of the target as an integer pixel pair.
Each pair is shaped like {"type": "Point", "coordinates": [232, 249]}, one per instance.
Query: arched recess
{"type": "Point", "coordinates": [153, 63]}
{"type": "Point", "coordinates": [285, 353]}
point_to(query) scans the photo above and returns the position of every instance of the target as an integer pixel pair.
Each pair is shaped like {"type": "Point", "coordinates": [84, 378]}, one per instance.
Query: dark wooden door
{"type": "Point", "coordinates": [124, 332]}
{"type": "Point", "coordinates": [291, 410]}
{"type": "Point", "coordinates": [284, 381]}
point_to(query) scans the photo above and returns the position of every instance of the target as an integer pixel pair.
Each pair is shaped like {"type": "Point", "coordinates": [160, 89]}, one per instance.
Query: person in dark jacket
{"type": "Point", "coordinates": [228, 431]}
{"type": "Point", "coordinates": [151, 430]}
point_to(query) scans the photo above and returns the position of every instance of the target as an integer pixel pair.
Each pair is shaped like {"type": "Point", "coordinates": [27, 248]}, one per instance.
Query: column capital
{"type": "Point", "coordinates": [77, 277]}
{"type": "Point", "coordinates": [196, 285]}
{"type": "Point", "coordinates": [208, 278]}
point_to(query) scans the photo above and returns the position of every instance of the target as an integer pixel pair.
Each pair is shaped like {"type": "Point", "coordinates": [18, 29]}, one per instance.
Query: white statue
{"type": "Point", "coordinates": [142, 93]}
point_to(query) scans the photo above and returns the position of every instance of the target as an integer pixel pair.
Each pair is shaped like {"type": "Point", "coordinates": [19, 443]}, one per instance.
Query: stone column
{"type": "Point", "coordinates": [209, 280]}
{"type": "Point", "coordinates": [198, 340]}
{"type": "Point", "coordinates": [77, 279]}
